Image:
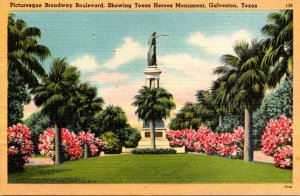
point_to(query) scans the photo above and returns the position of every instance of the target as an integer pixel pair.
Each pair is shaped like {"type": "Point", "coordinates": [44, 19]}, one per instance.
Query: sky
{"type": "Point", "coordinates": [110, 48]}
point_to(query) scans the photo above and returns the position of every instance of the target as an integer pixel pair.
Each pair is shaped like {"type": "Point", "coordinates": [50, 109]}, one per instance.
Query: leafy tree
{"type": "Point", "coordinates": [153, 104]}
{"type": "Point", "coordinates": [131, 137]}
{"type": "Point", "coordinates": [17, 97]}
{"type": "Point", "coordinates": [113, 142]}
{"type": "Point", "coordinates": [275, 104]}
{"type": "Point", "coordinates": [112, 118]}
{"type": "Point", "coordinates": [53, 95]}
{"type": "Point", "coordinates": [37, 123]}
{"type": "Point", "coordinates": [230, 122]}
{"type": "Point", "coordinates": [242, 83]}
{"type": "Point", "coordinates": [279, 41]}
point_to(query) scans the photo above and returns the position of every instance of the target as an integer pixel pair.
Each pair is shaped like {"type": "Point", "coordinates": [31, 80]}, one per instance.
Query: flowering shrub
{"type": "Point", "coordinates": [208, 142]}
{"type": "Point", "coordinates": [20, 147]}
{"type": "Point", "coordinates": [46, 145]}
{"type": "Point", "coordinates": [276, 141]}
{"type": "Point", "coordinates": [95, 145]}
{"type": "Point", "coordinates": [71, 143]}
{"type": "Point", "coordinates": [231, 144]}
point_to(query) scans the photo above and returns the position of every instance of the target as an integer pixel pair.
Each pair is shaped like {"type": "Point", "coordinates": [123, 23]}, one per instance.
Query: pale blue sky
{"type": "Point", "coordinates": [110, 47]}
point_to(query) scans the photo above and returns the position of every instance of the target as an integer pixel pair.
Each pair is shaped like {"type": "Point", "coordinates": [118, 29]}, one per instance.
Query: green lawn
{"type": "Point", "coordinates": [175, 168]}
{"type": "Point", "coordinates": [40, 156]}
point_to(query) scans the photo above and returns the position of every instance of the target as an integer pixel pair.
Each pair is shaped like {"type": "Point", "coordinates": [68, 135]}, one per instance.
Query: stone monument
{"type": "Point", "coordinates": [152, 75]}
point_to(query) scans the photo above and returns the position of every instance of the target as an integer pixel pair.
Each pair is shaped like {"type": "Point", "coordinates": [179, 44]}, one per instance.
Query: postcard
{"type": "Point", "coordinates": [149, 97]}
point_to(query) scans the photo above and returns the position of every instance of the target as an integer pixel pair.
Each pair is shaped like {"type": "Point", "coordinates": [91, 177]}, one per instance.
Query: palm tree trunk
{"type": "Point", "coordinates": [86, 151]}
{"type": "Point", "coordinates": [248, 141]}
{"type": "Point", "coordinates": [220, 120]}
{"type": "Point", "coordinates": [58, 148]}
{"type": "Point", "coordinates": [152, 135]}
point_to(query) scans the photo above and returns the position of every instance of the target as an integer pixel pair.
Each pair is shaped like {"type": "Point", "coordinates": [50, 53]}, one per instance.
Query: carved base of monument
{"type": "Point", "coordinates": [160, 138]}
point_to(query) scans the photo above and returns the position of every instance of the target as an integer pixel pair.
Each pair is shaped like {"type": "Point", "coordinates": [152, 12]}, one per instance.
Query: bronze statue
{"type": "Point", "coordinates": [152, 49]}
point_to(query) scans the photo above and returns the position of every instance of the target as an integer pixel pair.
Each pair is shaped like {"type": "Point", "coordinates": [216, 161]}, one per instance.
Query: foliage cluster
{"type": "Point", "coordinates": [72, 144]}
{"type": "Point", "coordinates": [277, 141]}
{"type": "Point", "coordinates": [206, 141]}
{"type": "Point", "coordinates": [20, 147]}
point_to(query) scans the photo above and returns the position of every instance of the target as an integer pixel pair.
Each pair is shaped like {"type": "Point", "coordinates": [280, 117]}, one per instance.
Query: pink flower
{"type": "Point", "coordinates": [19, 143]}
{"type": "Point", "coordinates": [206, 141]}
{"type": "Point", "coordinates": [276, 141]}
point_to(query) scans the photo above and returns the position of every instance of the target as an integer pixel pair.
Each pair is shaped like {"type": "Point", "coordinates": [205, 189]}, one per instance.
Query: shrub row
{"type": "Point", "coordinates": [72, 144]}
{"type": "Point", "coordinates": [206, 141]}
{"type": "Point", "coordinates": [153, 151]}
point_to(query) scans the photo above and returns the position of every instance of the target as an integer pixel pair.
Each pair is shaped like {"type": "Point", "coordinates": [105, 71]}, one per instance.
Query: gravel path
{"type": "Point", "coordinates": [261, 157]}
{"type": "Point", "coordinates": [40, 161]}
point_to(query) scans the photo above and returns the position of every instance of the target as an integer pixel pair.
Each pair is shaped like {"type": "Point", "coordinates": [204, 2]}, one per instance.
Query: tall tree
{"type": "Point", "coordinates": [24, 67]}
{"type": "Point", "coordinates": [53, 95]}
{"type": "Point", "coordinates": [242, 83]}
{"type": "Point", "coordinates": [24, 52]}
{"type": "Point", "coordinates": [187, 118]}
{"type": "Point", "coordinates": [279, 41]}
{"type": "Point", "coordinates": [85, 104]}
{"type": "Point", "coordinates": [208, 109]}
{"type": "Point", "coordinates": [112, 118]}
{"type": "Point", "coordinates": [17, 97]}
{"type": "Point", "coordinates": [153, 104]}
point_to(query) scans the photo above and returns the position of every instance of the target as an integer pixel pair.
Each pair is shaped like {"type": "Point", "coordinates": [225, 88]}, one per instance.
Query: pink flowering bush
{"type": "Point", "coordinates": [95, 145]}
{"type": "Point", "coordinates": [20, 147]}
{"type": "Point", "coordinates": [206, 141]}
{"type": "Point", "coordinates": [46, 145]}
{"type": "Point", "coordinates": [277, 141]}
{"type": "Point", "coordinates": [72, 144]}
{"type": "Point", "coordinates": [231, 144]}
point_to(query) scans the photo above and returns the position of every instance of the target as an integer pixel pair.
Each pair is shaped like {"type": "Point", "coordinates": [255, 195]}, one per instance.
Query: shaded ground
{"type": "Point", "coordinates": [175, 168]}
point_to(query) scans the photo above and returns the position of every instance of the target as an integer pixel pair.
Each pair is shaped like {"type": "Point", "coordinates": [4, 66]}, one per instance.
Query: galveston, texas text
{"type": "Point", "coordinates": [132, 5]}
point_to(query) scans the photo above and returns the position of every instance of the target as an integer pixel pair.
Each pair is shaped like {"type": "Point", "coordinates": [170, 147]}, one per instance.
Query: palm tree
{"type": "Point", "coordinates": [53, 96]}
{"type": "Point", "coordinates": [153, 104]}
{"type": "Point", "coordinates": [279, 41]}
{"type": "Point", "coordinates": [24, 52]}
{"type": "Point", "coordinates": [24, 67]}
{"type": "Point", "coordinates": [207, 108]}
{"type": "Point", "coordinates": [187, 117]}
{"type": "Point", "coordinates": [85, 104]}
{"type": "Point", "coordinates": [242, 84]}
{"type": "Point", "coordinates": [114, 119]}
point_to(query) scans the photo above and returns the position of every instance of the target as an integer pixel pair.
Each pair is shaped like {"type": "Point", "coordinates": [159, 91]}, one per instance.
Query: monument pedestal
{"type": "Point", "coordinates": [160, 138]}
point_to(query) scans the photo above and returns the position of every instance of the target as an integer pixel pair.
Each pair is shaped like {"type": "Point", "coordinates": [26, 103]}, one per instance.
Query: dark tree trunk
{"type": "Point", "coordinates": [248, 142]}
{"type": "Point", "coordinates": [58, 147]}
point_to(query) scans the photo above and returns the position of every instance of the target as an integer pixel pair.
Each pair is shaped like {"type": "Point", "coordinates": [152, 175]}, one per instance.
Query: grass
{"type": "Point", "coordinates": [40, 156]}
{"type": "Point", "coordinates": [173, 168]}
